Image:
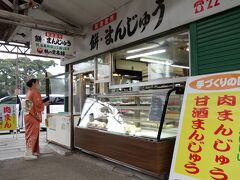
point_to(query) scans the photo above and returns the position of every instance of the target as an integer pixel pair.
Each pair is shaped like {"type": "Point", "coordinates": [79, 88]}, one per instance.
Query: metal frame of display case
{"type": "Point", "coordinates": [179, 90]}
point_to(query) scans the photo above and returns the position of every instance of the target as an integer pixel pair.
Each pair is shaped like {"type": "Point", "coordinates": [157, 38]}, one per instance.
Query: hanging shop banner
{"type": "Point", "coordinates": [208, 142]}
{"type": "Point", "coordinates": [140, 19]}
{"type": "Point", "coordinates": [53, 44]}
{"type": "Point", "coordinates": [8, 119]}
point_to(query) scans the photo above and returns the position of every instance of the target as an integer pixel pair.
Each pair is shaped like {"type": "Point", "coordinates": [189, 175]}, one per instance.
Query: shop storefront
{"type": "Point", "coordinates": [129, 72]}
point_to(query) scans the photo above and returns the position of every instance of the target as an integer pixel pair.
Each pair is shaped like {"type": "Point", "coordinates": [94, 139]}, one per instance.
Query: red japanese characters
{"type": "Point", "coordinates": [202, 5]}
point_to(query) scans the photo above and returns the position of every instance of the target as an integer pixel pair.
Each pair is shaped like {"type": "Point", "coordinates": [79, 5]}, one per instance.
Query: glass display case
{"type": "Point", "coordinates": [146, 114]}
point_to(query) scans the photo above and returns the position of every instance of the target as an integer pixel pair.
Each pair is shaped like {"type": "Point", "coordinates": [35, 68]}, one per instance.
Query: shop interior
{"type": "Point", "coordinates": [160, 58]}
{"type": "Point", "coordinates": [131, 108]}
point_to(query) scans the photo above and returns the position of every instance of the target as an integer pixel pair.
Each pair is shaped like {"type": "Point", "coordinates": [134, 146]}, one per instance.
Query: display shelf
{"type": "Point", "coordinates": [132, 113]}
{"type": "Point", "coordinates": [142, 108]}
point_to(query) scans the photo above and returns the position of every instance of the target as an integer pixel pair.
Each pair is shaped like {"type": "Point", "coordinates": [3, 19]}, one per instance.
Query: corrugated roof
{"type": "Point", "coordinates": [82, 12]}
{"type": "Point", "coordinates": [76, 13]}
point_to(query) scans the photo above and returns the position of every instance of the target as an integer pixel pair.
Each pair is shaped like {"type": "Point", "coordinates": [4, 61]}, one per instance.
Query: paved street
{"type": "Point", "coordinates": [13, 146]}
{"type": "Point", "coordinates": [52, 165]}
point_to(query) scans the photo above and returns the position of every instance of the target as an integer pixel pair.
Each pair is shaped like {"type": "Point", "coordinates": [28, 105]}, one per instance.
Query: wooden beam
{"type": "Point", "coordinates": [23, 6]}
{"type": "Point", "coordinates": [56, 14]}
{"type": "Point", "coordinates": [36, 26]}
{"type": "Point", "coordinates": [8, 33]}
{"type": "Point", "coordinates": [51, 12]}
{"type": "Point", "coordinates": [26, 21]}
{"type": "Point", "coordinates": [11, 7]}
{"type": "Point", "coordinates": [15, 6]}
{"type": "Point", "coordinates": [8, 3]}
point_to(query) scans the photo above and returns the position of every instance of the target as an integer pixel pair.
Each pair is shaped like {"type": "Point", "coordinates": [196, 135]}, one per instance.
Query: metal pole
{"type": "Point", "coordinates": [17, 93]}
{"type": "Point", "coordinates": [71, 108]}
{"type": "Point", "coordinates": [47, 81]}
{"type": "Point", "coordinates": [17, 72]}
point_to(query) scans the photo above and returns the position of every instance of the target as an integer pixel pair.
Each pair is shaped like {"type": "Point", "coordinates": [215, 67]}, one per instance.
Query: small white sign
{"type": "Point", "coordinates": [51, 44]}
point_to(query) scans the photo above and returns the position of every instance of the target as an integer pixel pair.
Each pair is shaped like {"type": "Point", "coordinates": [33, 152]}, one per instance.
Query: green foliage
{"type": "Point", "coordinates": [27, 69]}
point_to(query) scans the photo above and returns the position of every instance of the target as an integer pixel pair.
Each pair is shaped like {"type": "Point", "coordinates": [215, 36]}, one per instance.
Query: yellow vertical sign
{"type": "Point", "coordinates": [8, 120]}
{"type": "Point", "coordinates": [209, 143]}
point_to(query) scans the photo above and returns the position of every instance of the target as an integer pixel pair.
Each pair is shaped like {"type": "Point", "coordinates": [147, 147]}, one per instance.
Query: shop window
{"type": "Point", "coordinates": [59, 93]}
{"type": "Point", "coordinates": [102, 88]}
{"type": "Point", "coordinates": [83, 87]}
{"type": "Point", "coordinates": [90, 77]}
{"type": "Point", "coordinates": [166, 57]}
{"type": "Point", "coordinates": [103, 67]}
{"type": "Point", "coordinates": [83, 83]}
{"type": "Point", "coordinates": [85, 66]}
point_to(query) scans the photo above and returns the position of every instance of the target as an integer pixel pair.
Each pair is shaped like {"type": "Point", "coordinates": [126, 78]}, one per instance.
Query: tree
{"type": "Point", "coordinates": [27, 69]}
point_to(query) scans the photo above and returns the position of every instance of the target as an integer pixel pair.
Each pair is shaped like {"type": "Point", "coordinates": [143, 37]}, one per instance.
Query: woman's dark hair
{"type": "Point", "coordinates": [31, 81]}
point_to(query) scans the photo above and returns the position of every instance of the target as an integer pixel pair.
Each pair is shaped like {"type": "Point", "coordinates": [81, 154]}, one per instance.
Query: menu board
{"type": "Point", "coordinates": [208, 141]}
{"type": "Point", "coordinates": [8, 116]}
{"type": "Point", "coordinates": [157, 104]}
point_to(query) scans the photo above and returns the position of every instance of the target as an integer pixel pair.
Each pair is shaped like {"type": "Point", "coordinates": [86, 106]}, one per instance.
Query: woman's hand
{"type": "Point", "coordinates": [46, 103]}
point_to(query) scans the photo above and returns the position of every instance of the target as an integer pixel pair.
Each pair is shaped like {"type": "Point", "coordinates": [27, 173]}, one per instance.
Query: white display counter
{"type": "Point", "coordinates": [59, 129]}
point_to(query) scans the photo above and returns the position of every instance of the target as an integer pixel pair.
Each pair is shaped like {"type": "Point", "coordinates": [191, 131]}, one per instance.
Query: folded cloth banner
{"type": "Point", "coordinates": [26, 105]}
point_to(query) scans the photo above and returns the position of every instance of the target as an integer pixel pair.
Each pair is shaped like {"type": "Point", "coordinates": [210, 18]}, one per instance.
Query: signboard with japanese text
{"type": "Point", "coordinates": [51, 44]}
{"type": "Point", "coordinates": [8, 119]}
{"type": "Point", "coordinates": [140, 19]}
{"type": "Point", "coordinates": [208, 141]}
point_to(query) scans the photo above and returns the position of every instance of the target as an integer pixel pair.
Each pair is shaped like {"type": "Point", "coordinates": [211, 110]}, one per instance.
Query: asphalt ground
{"type": "Point", "coordinates": [51, 165]}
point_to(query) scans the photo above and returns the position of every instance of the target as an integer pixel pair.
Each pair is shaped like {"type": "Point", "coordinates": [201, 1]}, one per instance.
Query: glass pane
{"type": "Point", "coordinates": [76, 93]}
{"type": "Point", "coordinates": [102, 88]}
{"type": "Point", "coordinates": [59, 85]}
{"type": "Point", "coordinates": [84, 66]}
{"type": "Point", "coordinates": [160, 58]}
{"type": "Point", "coordinates": [127, 113]}
{"type": "Point", "coordinates": [103, 67]}
{"type": "Point", "coordinates": [59, 92]}
{"type": "Point", "coordinates": [133, 114]}
{"type": "Point", "coordinates": [83, 87]}
{"type": "Point", "coordinates": [172, 116]}
{"type": "Point", "coordinates": [83, 83]}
